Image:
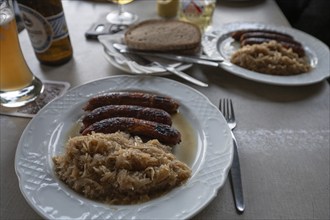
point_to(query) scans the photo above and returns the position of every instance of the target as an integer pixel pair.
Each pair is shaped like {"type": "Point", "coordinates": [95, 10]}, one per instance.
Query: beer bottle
{"type": "Point", "coordinates": [47, 29]}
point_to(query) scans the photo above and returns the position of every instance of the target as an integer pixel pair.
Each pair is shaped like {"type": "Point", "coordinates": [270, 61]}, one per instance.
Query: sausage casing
{"type": "Point", "coordinates": [134, 98]}
{"type": "Point", "coordinates": [152, 130]}
{"type": "Point", "coordinates": [237, 34]}
{"type": "Point", "coordinates": [295, 47]}
{"type": "Point", "coordinates": [133, 111]}
{"type": "Point", "coordinates": [272, 36]}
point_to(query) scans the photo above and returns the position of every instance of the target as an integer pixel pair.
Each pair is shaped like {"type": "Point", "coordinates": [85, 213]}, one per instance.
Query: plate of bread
{"type": "Point", "coordinates": [268, 53]}
{"type": "Point", "coordinates": [160, 36]}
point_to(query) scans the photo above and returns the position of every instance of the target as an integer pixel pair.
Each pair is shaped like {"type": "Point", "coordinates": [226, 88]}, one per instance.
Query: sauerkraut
{"type": "Point", "coordinates": [270, 58]}
{"type": "Point", "coordinates": [119, 169]}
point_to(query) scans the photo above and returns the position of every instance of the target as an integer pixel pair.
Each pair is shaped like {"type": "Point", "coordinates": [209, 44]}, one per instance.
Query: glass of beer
{"type": "Point", "coordinates": [198, 12]}
{"type": "Point", "coordinates": [120, 16]}
{"type": "Point", "coordinates": [18, 85]}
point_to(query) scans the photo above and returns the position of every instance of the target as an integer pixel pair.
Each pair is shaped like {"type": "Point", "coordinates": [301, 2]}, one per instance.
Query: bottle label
{"type": "Point", "coordinates": [43, 30]}
{"type": "Point", "coordinates": [58, 24]}
{"type": "Point", "coordinates": [193, 8]}
{"type": "Point", "coordinates": [199, 12]}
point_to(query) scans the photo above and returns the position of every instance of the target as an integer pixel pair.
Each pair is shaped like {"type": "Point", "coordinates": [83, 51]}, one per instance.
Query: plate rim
{"type": "Point", "coordinates": [292, 80]}
{"type": "Point", "coordinates": [184, 215]}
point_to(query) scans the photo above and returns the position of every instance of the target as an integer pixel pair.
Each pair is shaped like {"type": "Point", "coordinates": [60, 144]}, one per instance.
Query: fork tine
{"type": "Point", "coordinates": [232, 110]}
{"type": "Point", "coordinates": [222, 108]}
{"type": "Point", "coordinates": [227, 108]}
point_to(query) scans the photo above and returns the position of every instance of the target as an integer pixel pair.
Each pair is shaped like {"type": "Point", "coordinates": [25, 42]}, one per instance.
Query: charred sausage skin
{"type": "Point", "coordinates": [133, 111]}
{"type": "Point", "coordinates": [133, 98]}
{"type": "Point", "coordinates": [258, 36]}
{"type": "Point", "coordinates": [153, 130]}
{"type": "Point", "coordinates": [238, 34]}
{"type": "Point", "coordinates": [296, 47]}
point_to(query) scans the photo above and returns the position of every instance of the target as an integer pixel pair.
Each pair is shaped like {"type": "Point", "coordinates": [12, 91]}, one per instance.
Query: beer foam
{"type": "Point", "coordinates": [6, 15]}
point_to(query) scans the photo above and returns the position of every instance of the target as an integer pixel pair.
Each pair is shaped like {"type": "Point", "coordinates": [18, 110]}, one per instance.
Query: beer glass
{"type": "Point", "coordinates": [120, 16]}
{"type": "Point", "coordinates": [197, 12]}
{"type": "Point", "coordinates": [18, 85]}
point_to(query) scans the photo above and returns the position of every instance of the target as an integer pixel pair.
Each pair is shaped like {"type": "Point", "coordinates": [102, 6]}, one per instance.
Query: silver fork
{"type": "Point", "coordinates": [227, 109]}
{"type": "Point", "coordinates": [129, 62]}
{"type": "Point", "coordinates": [146, 61]}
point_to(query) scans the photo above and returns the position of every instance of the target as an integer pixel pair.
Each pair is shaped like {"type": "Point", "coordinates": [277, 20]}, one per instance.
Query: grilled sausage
{"type": "Point", "coordinates": [272, 36]}
{"type": "Point", "coordinates": [295, 47]}
{"type": "Point", "coordinates": [152, 130]}
{"type": "Point", "coordinates": [133, 111]}
{"type": "Point", "coordinates": [237, 34]}
{"type": "Point", "coordinates": [133, 98]}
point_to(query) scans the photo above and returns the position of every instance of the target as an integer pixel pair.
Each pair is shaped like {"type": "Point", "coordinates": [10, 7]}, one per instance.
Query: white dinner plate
{"type": "Point", "coordinates": [121, 62]}
{"type": "Point", "coordinates": [219, 43]}
{"type": "Point", "coordinates": [47, 133]}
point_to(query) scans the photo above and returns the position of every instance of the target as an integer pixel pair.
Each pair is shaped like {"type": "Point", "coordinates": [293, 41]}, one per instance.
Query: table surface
{"type": "Point", "coordinates": [283, 132]}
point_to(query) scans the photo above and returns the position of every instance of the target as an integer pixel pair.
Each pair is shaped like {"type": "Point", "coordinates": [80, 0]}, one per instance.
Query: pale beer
{"type": "Point", "coordinates": [198, 12]}
{"type": "Point", "coordinates": [14, 72]}
{"type": "Point", "coordinates": [120, 16]}
{"type": "Point", "coordinates": [122, 2]}
{"type": "Point", "coordinates": [18, 85]}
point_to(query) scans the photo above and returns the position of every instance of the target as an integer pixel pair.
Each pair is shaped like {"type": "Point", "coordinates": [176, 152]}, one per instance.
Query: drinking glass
{"type": "Point", "coordinates": [198, 12]}
{"type": "Point", "coordinates": [120, 16]}
{"type": "Point", "coordinates": [18, 85]}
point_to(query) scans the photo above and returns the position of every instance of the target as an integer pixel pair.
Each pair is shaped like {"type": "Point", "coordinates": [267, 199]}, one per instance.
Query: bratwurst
{"type": "Point", "coordinates": [153, 130]}
{"type": "Point", "coordinates": [238, 34]}
{"type": "Point", "coordinates": [260, 34]}
{"type": "Point", "coordinates": [132, 111]}
{"type": "Point", "coordinates": [133, 98]}
{"type": "Point", "coordinates": [295, 46]}
{"type": "Point", "coordinates": [256, 36]}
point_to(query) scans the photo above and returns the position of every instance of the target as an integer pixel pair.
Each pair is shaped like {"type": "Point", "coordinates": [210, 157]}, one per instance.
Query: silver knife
{"type": "Point", "coordinates": [235, 177]}
{"type": "Point", "coordinates": [145, 61]}
{"type": "Point", "coordinates": [187, 59]}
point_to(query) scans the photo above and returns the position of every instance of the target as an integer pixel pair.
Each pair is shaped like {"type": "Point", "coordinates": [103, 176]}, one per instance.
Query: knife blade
{"type": "Point", "coordinates": [235, 178]}
{"type": "Point", "coordinates": [187, 59]}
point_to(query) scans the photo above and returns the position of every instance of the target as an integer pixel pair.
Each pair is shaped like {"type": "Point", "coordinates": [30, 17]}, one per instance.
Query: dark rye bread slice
{"type": "Point", "coordinates": [164, 36]}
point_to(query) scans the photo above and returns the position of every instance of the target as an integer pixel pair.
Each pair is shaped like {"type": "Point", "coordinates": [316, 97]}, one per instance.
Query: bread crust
{"type": "Point", "coordinates": [164, 36]}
